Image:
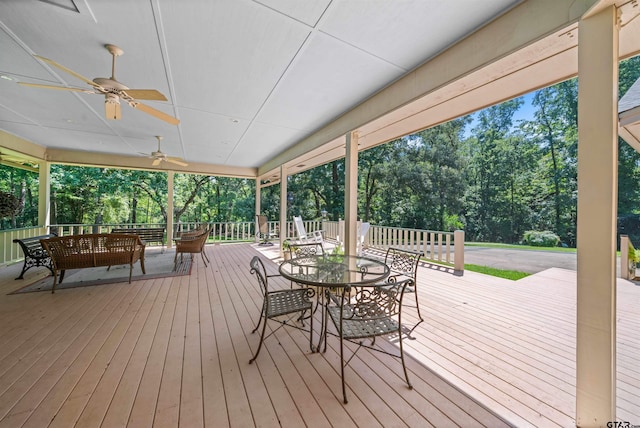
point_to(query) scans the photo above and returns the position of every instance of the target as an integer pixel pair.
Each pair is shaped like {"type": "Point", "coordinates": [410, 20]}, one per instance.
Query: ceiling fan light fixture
{"type": "Point", "coordinates": [111, 99]}
{"type": "Point", "coordinates": [112, 107]}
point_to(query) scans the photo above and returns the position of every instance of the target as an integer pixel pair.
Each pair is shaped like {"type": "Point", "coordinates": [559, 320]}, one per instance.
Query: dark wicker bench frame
{"type": "Point", "coordinates": [147, 234]}
{"type": "Point", "coordinates": [93, 250]}
{"type": "Point", "coordinates": [34, 254]}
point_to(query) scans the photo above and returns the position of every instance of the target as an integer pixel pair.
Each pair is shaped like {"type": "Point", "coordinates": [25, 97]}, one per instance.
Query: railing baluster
{"type": "Point", "coordinates": [379, 237]}
{"type": "Point", "coordinates": [448, 248]}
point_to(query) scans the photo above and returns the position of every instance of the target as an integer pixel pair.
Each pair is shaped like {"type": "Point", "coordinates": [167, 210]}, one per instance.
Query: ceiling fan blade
{"type": "Point", "coordinates": [66, 70]}
{"type": "Point", "coordinates": [146, 94]}
{"type": "Point", "coordinates": [156, 162]}
{"type": "Point", "coordinates": [156, 113]}
{"type": "Point", "coordinates": [61, 88]}
{"type": "Point", "coordinates": [112, 111]}
{"type": "Point", "coordinates": [177, 161]}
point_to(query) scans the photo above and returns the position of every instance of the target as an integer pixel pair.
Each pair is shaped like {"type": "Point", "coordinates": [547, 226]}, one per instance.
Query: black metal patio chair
{"type": "Point", "coordinates": [366, 312]}
{"type": "Point", "coordinates": [262, 230]}
{"type": "Point", "coordinates": [403, 264]}
{"type": "Point", "coordinates": [277, 303]}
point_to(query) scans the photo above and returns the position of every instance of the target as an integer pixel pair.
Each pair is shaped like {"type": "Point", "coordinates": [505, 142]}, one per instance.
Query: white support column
{"type": "Point", "coordinates": [283, 207]}
{"type": "Point", "coordinates": [258, 189]}
{"type": "Point", "coordinates": [170, 176]}
{"type": "Point", "coordinates": [597, 209]}
{"type": "Point", "coordinates": [44, 194]}
{"type": "Point", "coordinates": [458, 252]}
{"type": "Point", "coordinates": [351, 194]}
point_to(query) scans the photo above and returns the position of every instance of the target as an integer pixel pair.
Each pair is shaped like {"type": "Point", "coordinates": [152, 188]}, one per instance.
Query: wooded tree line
{"type": "Point", "coordinates": [487, 173]}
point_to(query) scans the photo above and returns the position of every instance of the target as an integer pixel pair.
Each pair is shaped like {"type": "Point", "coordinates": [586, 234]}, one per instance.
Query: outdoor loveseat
{"type": "Point", "coordinates": [93, 250]}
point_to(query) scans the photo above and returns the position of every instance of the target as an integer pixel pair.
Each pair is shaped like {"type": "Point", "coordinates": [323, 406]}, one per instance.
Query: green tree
{"type": "Point", "coordinates": [372, 172]}
{"type": "Point", "coordinates": [628, 158]}
{"type": "Point", "coordinates": [555, 129]}
{"type": "Point", "coordinates": [23, 185]}
{"type": "Point", "coordinates": [487, 182]}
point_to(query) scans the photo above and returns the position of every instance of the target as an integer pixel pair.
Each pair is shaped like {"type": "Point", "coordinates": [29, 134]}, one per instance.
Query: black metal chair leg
{"type": "Point", "coordinates": [404, 367]}
{"type": "Point", "coordinates": [311, 334]}
{"type": "Point", "coordinates": [344, 389]}
{"type": "Point", "coordinates": [264, 328]}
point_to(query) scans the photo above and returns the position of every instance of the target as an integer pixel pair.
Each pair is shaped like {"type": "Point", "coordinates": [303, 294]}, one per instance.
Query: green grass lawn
{"type": "Point", "coordinates": [500, 273]}
{"type": "Point", "coordinates": [519, 247]}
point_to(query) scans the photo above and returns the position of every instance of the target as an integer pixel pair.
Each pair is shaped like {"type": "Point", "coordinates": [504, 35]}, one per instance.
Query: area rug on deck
{"type": "Point", "coordinates": [156, 263]}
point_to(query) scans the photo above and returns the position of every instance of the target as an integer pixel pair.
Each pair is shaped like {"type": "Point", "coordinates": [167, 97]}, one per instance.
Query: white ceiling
{"type": "Point", "coordinates": [247, 79]}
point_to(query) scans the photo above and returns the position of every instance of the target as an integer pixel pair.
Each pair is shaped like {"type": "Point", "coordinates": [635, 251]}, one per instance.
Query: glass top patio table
{"type": "Point", "coordinates": [331, 270]}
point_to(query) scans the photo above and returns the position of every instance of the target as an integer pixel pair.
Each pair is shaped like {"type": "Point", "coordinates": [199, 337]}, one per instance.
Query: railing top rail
{"type": "Point", "coordinates": [412, 229]}
{"type": "Point", "coordinates": [17, 229]}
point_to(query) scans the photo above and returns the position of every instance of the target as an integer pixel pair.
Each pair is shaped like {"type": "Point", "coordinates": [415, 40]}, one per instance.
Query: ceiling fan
{"type": "Point", "coordinates": [112, 90]}
{"type": "Point", "coordinates": [159, 156]}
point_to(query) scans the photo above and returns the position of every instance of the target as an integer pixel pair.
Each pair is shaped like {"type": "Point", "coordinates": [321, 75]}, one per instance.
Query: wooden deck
{"type": "Point", "coordinates": [175, 351]}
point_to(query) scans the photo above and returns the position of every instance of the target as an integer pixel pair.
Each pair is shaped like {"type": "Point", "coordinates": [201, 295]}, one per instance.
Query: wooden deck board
{"type": "Point", "coordinates": [143, 411]}
{"type": "Point", "coordinates": [125, 394]}
{"type": "Point", "coordinates": [175, 351]}
{"type": "Point", "coordinates": [167, 411]}
{"type": "Point", "coordinates": [74, 406]}
{"type": "Point", "coordinates": [74, 366]}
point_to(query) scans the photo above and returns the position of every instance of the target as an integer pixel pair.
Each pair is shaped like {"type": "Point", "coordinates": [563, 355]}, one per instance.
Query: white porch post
{"type": "Point", "coordinates": [351, 194]}
{"type": "Point", "coordinates": [258, 189]}
{"type": "Point", "coordinates": [283, 207]}
{"type": "Point", "coordinates": [170, 175]}
{"type": "Point", "coordinates": [597, 208]}
{"type": "Point", "coordinates": [44, 195]}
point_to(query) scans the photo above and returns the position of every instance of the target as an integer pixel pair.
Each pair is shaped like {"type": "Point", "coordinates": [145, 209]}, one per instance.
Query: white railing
{"type": "Point", "coordinates": [438, 247]}
{"type": "Point", "coordinates": [232, 231]}
{"type": "Point", "coordinates": [627, 258]}
{"type": "Point", "coordinates": [83, 229]}
{"type": "Point", "coordinates": [11, 252]}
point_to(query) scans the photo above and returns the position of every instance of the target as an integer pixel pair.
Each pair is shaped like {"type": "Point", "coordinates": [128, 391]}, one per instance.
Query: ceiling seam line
{"type": "Point", "coordinates": [164, 51]}
{"type": "Point", "coordinates": [266, 99]}
{"type": "Point", "coordinates": [403, 69]}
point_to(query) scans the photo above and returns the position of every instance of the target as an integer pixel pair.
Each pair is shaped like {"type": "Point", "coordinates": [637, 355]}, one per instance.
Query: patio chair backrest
{"type": "Point", "coordinates": [363, 230]}
{"type": "Point", "coordinates": [316, 236]}
{"type": "Point", "coordinates": [299, 250]}
{"type": "Point", "coordinates": [263, 226]}
{"type": "Point", "coordinates": [300, 230]}
{"type": "Point", "coordinates": [364, 305]}
{"type": "Point", "coordinates": [258, 269]}
{"type": "Point", "coordinates": [402, 263]}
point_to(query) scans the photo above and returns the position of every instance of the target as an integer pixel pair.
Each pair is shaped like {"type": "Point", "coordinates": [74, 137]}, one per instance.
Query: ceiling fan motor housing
{"type": "Point", "coordinates": [159, 155]}
{"type": "Point", "coordinates": [110, 85]}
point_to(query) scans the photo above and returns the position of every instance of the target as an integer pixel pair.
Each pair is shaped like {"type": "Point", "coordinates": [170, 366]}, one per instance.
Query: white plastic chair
{"type": "Point", "coordinates": [303, 237]}
{"type": "Point", "coordinates": [363, 229]}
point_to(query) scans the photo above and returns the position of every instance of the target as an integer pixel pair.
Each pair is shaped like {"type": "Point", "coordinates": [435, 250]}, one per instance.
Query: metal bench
{"type": "Point", "coordinates": [34, 254]}
{"type": "Point", "coordinates": [147, 234]}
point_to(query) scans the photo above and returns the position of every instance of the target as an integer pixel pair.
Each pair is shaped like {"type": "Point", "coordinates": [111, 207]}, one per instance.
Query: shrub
{"type": "Point", "coordinates": [540, 238]}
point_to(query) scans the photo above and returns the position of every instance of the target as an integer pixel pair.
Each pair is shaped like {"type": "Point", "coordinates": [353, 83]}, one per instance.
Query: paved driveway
{"type": "Point", "coordinates": [530, 261]}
